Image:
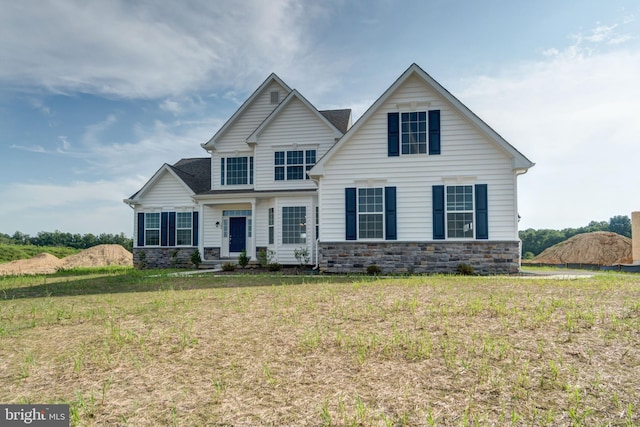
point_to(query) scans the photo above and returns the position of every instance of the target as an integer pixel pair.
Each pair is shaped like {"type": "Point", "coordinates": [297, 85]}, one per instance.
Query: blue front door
{"type": "Point", "coordinates": [237, 234]}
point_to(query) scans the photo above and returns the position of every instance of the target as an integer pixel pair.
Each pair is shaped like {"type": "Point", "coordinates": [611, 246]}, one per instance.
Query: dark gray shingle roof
{"type": "Point", "coordinates": [339, 118]}
{"type": "Point", "coordinates": [195, 172]}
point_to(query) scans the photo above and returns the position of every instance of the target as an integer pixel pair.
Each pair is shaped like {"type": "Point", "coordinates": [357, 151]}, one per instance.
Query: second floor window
{"type": "Point", "coordinates": [236, 170]}
{"type": "Point", "coordinates": [414, 132]}
{"type": "Point", "coordinates": [293, 164]}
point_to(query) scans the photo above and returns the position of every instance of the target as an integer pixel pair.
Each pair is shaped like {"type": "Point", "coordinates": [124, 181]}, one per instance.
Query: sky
{"type": "Point", "coordinates": [96, 96]}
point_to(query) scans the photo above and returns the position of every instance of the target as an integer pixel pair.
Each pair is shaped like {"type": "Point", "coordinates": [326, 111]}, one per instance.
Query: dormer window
{"type": "Point", "coordinates": [293, 165]}
{"type": "Point", "coordinates": [275, 97]}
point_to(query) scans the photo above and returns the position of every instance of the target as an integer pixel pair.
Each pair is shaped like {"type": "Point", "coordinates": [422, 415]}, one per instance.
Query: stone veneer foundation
{"type": "Point", "coordinates": [488, 257]}
{"type": "Point", "coordinates": [170, 257]}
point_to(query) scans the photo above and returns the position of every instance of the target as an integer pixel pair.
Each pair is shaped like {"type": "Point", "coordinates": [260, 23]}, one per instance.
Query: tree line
{"type": "Point", "coordinates": [58, 238]}
{"type": "Point", "coordinates": [536, 241]}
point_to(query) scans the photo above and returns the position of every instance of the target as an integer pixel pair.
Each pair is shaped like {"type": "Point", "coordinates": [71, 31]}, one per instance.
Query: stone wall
{"type": "Point", "coordinates": [163, 257]}
{"type": "Point", "coordinates": [486, 257]}
{"type": "Point", "coordinates": [212, 253]}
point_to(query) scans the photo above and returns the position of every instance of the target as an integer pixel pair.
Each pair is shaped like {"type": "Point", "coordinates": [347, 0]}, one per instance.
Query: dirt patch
{"type": "Point", "coordinates": [44, 263]}
{"type": "Point", "coordinates": [99, 256]}
{"type": "Point", "coordinates": [600, 247]}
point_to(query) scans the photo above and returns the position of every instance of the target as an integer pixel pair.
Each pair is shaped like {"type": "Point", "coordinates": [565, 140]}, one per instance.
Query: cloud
{"type": "Point", "coordinates": [156, 49]}
{"type": "Point", "coordinates": [574, 113]}
{"type": "Point", "coordinates": [79, 207]}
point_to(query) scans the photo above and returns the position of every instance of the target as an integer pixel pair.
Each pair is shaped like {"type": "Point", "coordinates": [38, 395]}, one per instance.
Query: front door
{"type": "Point", "coordinates": [237, 234]}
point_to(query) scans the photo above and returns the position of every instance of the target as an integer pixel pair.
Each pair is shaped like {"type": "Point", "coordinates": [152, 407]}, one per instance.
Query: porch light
{"type": "Point", "coordinates": [217, 224]}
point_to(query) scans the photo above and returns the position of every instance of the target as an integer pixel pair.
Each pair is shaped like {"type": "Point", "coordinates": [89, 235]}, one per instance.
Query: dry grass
{"type": "Point", "coordinates": [416, 351]}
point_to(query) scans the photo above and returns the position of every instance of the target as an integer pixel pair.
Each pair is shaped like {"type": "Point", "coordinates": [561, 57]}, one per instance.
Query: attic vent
{"type": "Point", "coordinates": [275, 97]}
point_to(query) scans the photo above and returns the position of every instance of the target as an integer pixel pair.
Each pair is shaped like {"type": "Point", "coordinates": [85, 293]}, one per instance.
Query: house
{"type": "Point", "coordinates": [418, 184]}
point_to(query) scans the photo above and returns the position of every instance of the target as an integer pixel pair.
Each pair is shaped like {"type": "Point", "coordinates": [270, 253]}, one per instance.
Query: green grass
{"type": "Point", "coordinates": [128, 347]}
{"type": "Point", "coordinates": [16, 252]}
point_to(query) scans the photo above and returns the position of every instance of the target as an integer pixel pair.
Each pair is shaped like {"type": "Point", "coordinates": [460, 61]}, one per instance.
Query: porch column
{"type": "Point", "coordinates": [201, 231]}
{"type": "Point", "coordinates": [253, 230]}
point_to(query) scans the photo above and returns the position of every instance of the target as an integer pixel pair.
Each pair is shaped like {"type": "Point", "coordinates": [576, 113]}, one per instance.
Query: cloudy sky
{"type": "Point", "coordinates": [96, 96]}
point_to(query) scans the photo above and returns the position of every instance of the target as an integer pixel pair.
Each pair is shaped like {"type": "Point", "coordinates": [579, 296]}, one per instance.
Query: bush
{"type": "Point", "coordinates": [528, 255]}
{"type": "Point", "coordinates": [196, 259]}
{"type": "Point", "coordinates": [373, 270]}
{"type": "Point", "coordinates": [228, 266]}
{"type": "Point", "coordinates": [465, 269]}
{"type": "Point", "coordinates": [274, 266]}
{"type": "Point", "coordinates": [243, 260]}
{"type": "Point", "coordinates": [302, 256]}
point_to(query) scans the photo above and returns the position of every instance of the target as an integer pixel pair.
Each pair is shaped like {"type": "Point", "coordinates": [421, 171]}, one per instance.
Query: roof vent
{"type": "Point", "coordinates": [275, 97]}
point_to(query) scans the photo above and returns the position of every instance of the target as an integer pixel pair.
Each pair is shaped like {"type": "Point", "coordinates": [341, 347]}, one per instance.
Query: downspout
{"type": "Point", "coordinates": [317, 266]}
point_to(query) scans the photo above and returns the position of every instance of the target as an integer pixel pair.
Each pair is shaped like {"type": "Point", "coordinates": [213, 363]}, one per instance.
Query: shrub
{"type": "Point", "coordinates": [243, 260]}
{"type": "Point", "coordinates": [228, 266]}
{"type": "Point", "coordinates": [196, 259]}
{"type": "Point", "coordinates": [465, 269]}
{"type": "Point", "coordinates": [528, 255]}
{"type": "Point", "coordinates": [265, 257]}
{"type": "Point", "coordinates": [302, 256]}
{"type": "Point", "coordinates": [373, 270]}
{"type": "Point", "coordinates": [274, 266]}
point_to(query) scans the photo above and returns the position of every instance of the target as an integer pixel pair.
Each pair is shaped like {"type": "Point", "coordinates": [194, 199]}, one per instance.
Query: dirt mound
{"type": "Point", "coordinates": [43, 263]}
{"type": "Point", "coordinates": [99, 256]}
{"type": "Point", "coordinates": [600, 247]}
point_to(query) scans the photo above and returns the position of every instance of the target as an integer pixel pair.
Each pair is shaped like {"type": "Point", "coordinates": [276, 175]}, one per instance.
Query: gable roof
{"type": "Point", "coordinates": [294, 94]}
{"type": "Point", "coordinates": [519, 160]}
{"type": "Point", "coordinates": [272, 78]}
{"type": "Point", "coordinates": [341, 119]}
{"type": "Point", "coordinates": [193, 174]}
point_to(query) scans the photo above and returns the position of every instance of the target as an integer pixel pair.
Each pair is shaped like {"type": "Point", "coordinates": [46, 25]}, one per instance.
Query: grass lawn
{"type": "Point", "coordinates": [125, 348]}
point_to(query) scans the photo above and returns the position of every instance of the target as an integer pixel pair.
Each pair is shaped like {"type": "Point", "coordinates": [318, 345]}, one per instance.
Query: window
{"type": "Point", "coordinates": [293, 164]}
{"type": "Point", "coordinates": [152, 229]}
{"type": "Point", "coordinates": [414, 132]}
{"type": "Point", "coordinates": [184, 228]}
{"type": "Point", "coordinates": [236, 170]}
{"type": "Point", "coordinates": [271, 224]}
{"type": "Point", "coordinates": [459, 205]}
{"type": "Point", "coordinates": [370, 213]}
{"type": "Point", "coordinates": [294, 225]}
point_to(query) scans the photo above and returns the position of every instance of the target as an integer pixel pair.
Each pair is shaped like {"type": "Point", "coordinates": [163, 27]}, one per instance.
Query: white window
{"type": "Point", "coordinates": [370, 213]}
{"type": "Point", "coordinates": [413, 132]}
{"type": "Point", "coordinates": [271, 226]}
{"type": "Point", "coordinates": [184, 228]}
{"type": "Point", "coordinates": [236, 170]}
{"type": "Point", "coordinates": [293, 164]}
{"type": "Point", "coordinates": [152, 229]}
{"type": "Point", "coordinates": [459, 206]}
{"type": "Point", "coordinates": [294, 225]}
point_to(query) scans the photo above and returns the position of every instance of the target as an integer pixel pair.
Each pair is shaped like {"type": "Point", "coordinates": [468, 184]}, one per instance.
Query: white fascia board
{"type": "Point", "coordinates": [273, 77]}
{"type": "Point", "coordinates": [156, 176]}
{"type": "Point", "coordinates": [294, 94]}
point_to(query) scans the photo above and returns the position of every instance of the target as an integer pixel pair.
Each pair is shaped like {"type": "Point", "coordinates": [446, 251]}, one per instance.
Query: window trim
{"type": "Point", "coordinates": [225, 169]}
{"type": "Point", "coordinates": [382, 214]}
{"type": "Point", "coordinates": [190, 228]}
{"type": "Point", "coordinates": [425, 131]}
{"type": "Point", "coordinates": [147, 228]}
{"type": "Point", "coordinates": [448, 211]}
{"type": "Point", "coordinates": [301, 230]}
{"type": "Point", "coordinates": [285, 165]}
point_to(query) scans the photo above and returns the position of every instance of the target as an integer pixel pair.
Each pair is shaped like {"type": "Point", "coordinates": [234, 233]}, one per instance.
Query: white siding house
{"type": "Point", "coordinates": [418, 184]}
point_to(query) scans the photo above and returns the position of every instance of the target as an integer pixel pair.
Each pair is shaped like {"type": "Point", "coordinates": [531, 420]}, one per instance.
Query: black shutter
{"type": "Point", "coordinates": [438, 211]}
{"type": "Point", "coordinates": [350, 214]}
{"type": "Point", "coordinates": [195, 228]}
{"type": "Point", "coordinates": [172, 228]}
{"type": "Point", "coordinates": [393, 134]}
{"type": "Point", "coordinates": [140, 228]}
{"type": "Point", "coordinates": [164, 228]}
{"type": "Point", "coordinates": [434, 132]}
{"type": "Point", "coordinates": [390, 213]}
{"type": "Point", "coordinates": [482, 212]}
